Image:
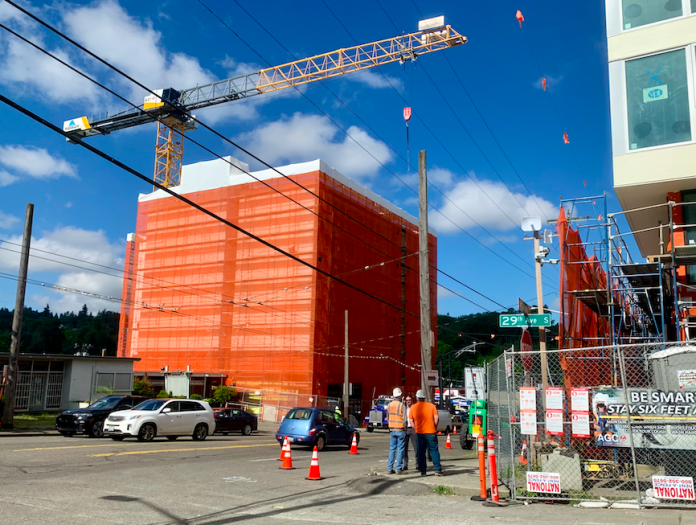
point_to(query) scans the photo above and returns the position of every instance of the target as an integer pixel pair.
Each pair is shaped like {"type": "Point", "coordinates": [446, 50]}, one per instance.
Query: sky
{"type": "Point", "coordinates": [493, 136]}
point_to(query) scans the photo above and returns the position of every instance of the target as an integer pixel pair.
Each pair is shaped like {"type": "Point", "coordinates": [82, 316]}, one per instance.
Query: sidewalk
{"type": "Point", "coordinates": [18, 432]}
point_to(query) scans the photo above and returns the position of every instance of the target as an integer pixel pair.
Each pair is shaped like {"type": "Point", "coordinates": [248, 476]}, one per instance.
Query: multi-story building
{"type": "Point", "coordinates": [652, 77]}
{"type": "Point", "coordinates": [204, 298]}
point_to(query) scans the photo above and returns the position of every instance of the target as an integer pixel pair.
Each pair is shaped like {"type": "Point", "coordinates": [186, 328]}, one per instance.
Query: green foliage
{"type": "Point", "coordinates": [163, 394]}
{"type": "Point", "coordinates": [142, 387]}
{"type": "Point", "coordinates": [49, 333]}
{"type": "Point", "coordinates": [222, 394]}
{"type": "Point", "coordinates": [441, 490]}
{"type": "Point", "coordinates": [105, 390]}
{"type": "Point", "coordinates": [210, 401]}
{"type": "Point", "coordinates": [196, 396]}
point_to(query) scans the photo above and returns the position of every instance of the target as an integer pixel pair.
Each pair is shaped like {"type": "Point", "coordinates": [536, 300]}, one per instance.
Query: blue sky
{"type": "Point", "coordinates": [84, 207]}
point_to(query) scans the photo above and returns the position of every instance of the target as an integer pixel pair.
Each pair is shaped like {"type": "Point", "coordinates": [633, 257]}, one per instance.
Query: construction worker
{"type": "Point", "coordinates": [411, 438]}
{"type": "Point", "coordinates": [396, 413]}
{"type": "Point", "coordinates": [424, 418]}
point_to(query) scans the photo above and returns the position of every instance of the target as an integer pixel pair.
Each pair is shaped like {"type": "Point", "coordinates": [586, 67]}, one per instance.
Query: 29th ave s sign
{"type": "Point", "coordinates": [515, 320]}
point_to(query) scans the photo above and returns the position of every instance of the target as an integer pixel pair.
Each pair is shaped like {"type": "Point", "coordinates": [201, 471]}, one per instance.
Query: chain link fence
{"type": "Point", "coordinates": [604, 424]}
{"type": "Point", "coordinates": [271, 405]}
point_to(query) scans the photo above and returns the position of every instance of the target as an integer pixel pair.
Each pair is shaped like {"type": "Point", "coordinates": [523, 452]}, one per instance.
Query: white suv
{"type": "Point", "coordinates": [162, 417]}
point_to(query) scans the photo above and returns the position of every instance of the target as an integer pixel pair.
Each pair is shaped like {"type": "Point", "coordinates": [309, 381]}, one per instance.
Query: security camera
{"type": "Point", "coordinates": [543, 252]}
{"type": "Point", "coordinates": [553, 261]}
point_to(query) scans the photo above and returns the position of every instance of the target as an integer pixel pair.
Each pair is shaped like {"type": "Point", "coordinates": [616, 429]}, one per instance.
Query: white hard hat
{"type": "Point", "coordinates": [420, 394]}
{"type": "Point", "coordinates": [397, 392]}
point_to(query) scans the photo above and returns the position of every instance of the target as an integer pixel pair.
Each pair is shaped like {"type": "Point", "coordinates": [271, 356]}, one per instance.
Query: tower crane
{"type": "Point", "coordinates": [172, 108]}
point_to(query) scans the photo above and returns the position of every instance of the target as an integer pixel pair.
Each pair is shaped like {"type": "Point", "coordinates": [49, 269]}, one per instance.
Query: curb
{"type": "Point", "coordinates": [28, 433]}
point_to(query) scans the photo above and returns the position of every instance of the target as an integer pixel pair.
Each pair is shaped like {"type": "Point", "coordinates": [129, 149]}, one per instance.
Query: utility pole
{"type": "Point", "coordinates": [346, 385]}
{"type": "Point", "coordinates": [424, 270]}
{"type": "Point", "coordinates": [11, 381]}
{"type": "Point", "coordinates": [540, 309]}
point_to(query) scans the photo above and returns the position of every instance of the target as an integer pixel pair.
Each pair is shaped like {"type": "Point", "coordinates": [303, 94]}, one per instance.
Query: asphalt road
{"type": "Point", "coordinates": [57, 480]}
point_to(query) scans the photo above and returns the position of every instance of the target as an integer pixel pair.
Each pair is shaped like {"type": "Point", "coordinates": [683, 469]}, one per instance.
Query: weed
{"type": "Point", "coordinates": [441, 490]}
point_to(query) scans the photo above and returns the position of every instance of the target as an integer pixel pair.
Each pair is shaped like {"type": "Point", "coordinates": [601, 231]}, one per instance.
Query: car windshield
{"type": "Point", "coordinates": [382, 402]}
{"type": "Point", "coordinates": [105, 403]}
{"type": "Point", "coordinates": [151, 404]}
{"type": "Point", "coordinates": [299, 413]}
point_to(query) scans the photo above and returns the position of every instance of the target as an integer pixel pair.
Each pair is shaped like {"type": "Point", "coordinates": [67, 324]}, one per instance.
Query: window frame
{"type": "Point", "coordinates": [690, 57]}
{"type": "Point", "coordinates": [686, 11]}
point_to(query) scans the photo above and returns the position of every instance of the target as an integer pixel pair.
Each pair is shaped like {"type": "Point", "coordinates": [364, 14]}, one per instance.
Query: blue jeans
{"type": "Point", "coordinates": [397, 440]}
{"type": "Point", "coordinates": [429, 442]}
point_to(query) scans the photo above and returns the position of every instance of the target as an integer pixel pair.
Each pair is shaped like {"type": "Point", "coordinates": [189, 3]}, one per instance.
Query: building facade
{"type": "Point", "coordinates": [203, 297]}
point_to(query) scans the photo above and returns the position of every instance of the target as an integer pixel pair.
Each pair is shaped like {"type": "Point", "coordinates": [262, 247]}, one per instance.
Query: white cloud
{"type": "Point", "coordinates": [305, 137]}
{"type": "Point", "coordinates": [441, 177]}
{"type": "Point", "coordinates": [491, 204]}
{"type": "Point", "coordinates": [237, 69]}
{"type": "Point", "coordinates": [35, 162]}
{"type": "Point", "coordinates": [7, 221]}
{"type": "Point", "coordinates": [375, 79]}
{"type": "Point", "coordinates": [7, 178]}
{"type": "Point", "coordinates": [87, 246]}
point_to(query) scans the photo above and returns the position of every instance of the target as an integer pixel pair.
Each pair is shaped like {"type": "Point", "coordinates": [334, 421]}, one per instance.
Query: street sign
{"type": "Point", "coordinates": [525, 349]}
{"type": "Point", "coordinates": [515, 320]}
{"type": "Point", "coordinates": [523, 307]}
{"type": "Point", "coordinates": [431, 377]}
{"type": "Point", "coordinates": [475, 383]}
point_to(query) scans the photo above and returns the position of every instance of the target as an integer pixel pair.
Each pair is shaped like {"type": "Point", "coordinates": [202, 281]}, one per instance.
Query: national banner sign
{"type": "Point", "coordinates": [544, 482]}
{"type": "Point", "coordinates": [528, 423]}
{"type": "Point", "coordinates": [579, 399]}
{"type": "Point", "coordinates": [554, 422]}
{"type": "Point", "coordinates": [554, 398]}
{"type": "Point", "coordinates": [581, 424]}
{"type": "Point", "coordinates": [673, 487]}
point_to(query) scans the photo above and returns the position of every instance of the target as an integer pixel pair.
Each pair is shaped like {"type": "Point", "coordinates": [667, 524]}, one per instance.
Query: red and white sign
{"type": "Point", "coordinates": [581, 424]}
{"type": "Point", "coordinates": [525, 350]}
{"type": "Point", "coordinates": [508, 367]}
{"type": "Point", "coordinates": [528, 423]}
{"type": "Point", "coordinates": [544, 482]}
{"type": "Point", "coordinates": [407, 114]}
{"type": "Point", "coordinates": [527, 398]}
{"type": "Point", "coordinates": [554, 398]}
{"type": "Point", "coordinates": [673, 487]}
{"type": "Point", "coordinates": [554, 422]}
{"type": "Point", "coordinates": [580, 399]}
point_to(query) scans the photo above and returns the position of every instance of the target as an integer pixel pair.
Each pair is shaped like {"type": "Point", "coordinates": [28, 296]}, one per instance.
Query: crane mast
{"type": "Point", "coordinates": [172, 108]}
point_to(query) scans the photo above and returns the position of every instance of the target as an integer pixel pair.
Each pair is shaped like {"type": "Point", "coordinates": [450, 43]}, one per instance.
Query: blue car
{"type": "Point", "coordinates": [316, 427]}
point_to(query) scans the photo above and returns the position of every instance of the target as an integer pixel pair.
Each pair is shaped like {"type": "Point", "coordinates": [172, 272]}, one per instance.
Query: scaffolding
{"type": "Point", "coordinates": [607, 297]}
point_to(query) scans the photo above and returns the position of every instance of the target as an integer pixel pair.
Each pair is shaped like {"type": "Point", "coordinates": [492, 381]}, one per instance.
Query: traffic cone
{"type": "Point", "coordinates": [448, 444]}
{"type": "Point", "coordinates": [353, 446]}
{"type": "Point", "coordinates": [287, 459]}
{"type": "Point", "coordinates": [523, 460]}
{"type": "Point", "coordinates": [282, 449]}
{"type": "Point", "coordinates": [455, 430]}
{"type": "Point", "coordinates": [439, 433]}
{"type": "Point", "coordinates": [314, 474]}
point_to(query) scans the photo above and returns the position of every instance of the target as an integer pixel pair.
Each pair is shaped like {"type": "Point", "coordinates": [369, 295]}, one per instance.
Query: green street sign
{"type": "Point", "coordinates": [515, 320]}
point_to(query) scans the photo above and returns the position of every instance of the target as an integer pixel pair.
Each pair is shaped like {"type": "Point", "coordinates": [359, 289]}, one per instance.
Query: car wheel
{"type": "Point", "coordinates": [200, 432]}
{"type": "Point", "coordinates": [172, 438]}
{"type": "Point", "coordinates": [67, 434]}
{"type": "Point", "coordinates": [246, 431]}
{"type": "Point", "coordinates": [147, 432]}
{"type": "Point", "coordinates": [320, 443]}
{"type": "Point", "coordinates": [97, 429]}
{"type": "Point", "coordinates": [370, 428]}
{"type": "Point", "coordinates": [117, 438]}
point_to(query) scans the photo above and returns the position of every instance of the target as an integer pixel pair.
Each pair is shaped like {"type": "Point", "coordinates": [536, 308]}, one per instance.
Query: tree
{"type": "Point", "coordinates": [222, 394]}
{"type": "Point", "coordinates": [142, 387]}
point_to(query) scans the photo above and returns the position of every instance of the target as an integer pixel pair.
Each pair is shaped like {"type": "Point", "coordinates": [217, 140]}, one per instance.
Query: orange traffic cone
{"type": "Point", "coordinates": [287, 459]}
{"type": "Point", "coordinates": [455, 431]}
{"type": "Point", "coordinates": [314, 474]}
{"type": "Point", "coordinates": [354, 445]}
{"type": "Point", "coordinates": [282, 449]}
{"type": "Point", "coordinates": [448, 444]}
{"type": "Point", "coordinates": [523, 460]}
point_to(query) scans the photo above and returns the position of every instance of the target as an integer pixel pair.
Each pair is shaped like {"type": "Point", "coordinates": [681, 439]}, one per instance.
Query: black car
{"type": "Point", "coordinates": [90, 420]}
{"type": "Point", "coordinates": [234, 420]}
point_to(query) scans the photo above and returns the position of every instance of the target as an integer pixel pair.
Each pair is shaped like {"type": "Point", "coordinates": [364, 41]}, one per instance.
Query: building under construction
{"type": "Point", "coordinates": [205, 300]}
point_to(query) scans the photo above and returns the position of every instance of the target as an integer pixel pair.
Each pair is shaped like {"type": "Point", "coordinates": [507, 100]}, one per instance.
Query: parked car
{"type": "Point", "coordinates": [171, 418]}
{"type": "Point", "coordinates": [90, 420]}
{"type": "Point", "coordinates": [445, 425]}
{"type": "Point", "coordinates": [234, 420]}
{"type": "Point", "coordinates": [315, 427]}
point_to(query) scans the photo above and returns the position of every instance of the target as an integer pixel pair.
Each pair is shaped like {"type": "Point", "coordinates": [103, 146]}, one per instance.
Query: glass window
{"type": "Point", "coordinates": [693, 6]}
{"type": "Point", "coordinates": [174, 406]}
{"type": "Point", "coordinates": [151, 404]}
{"type": "Point", "coordinates": [658, 100]}
{"type": "Point", "coordinates": [637, 13]}
{"type": "Point", "coordinates": [299, 413]}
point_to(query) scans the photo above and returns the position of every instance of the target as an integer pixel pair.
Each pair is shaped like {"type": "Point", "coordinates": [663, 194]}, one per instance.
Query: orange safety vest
{"type": "Point", "coordinates": [396, 411]}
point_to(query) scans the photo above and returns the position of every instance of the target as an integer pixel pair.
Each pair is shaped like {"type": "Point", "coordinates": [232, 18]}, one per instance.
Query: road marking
{"type": "Point", "coordinates": [239, 478]}
{"type": "Point", "coordinates": [159, 451]}
{"type": "Point", "coordinates": [119, 444]}
{"type": "Point", "coordinates": [276, 459]}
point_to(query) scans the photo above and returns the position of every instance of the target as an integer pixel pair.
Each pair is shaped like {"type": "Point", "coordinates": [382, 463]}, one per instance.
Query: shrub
{"type": "Point", "coordinates": [105, 390]}
{"type": "Point", "coordinates": [142, 387]}
{"type": "Point", "coordinates": [222, 394]}
{"type": "Point", "coordinates": [163, 394]}
{"type": "Point", "coordinates": [196, 396]}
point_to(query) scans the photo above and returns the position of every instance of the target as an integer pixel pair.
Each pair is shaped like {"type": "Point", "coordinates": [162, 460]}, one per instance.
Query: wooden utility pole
{"type": "Point", "coordinates": [11, 381]}
{"type": "Point", "coordinates": [346, 385]}
{"type": "Point", "coordinates": [540, 309]}
{"type": "Point", "coordinates": [424, 269]}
